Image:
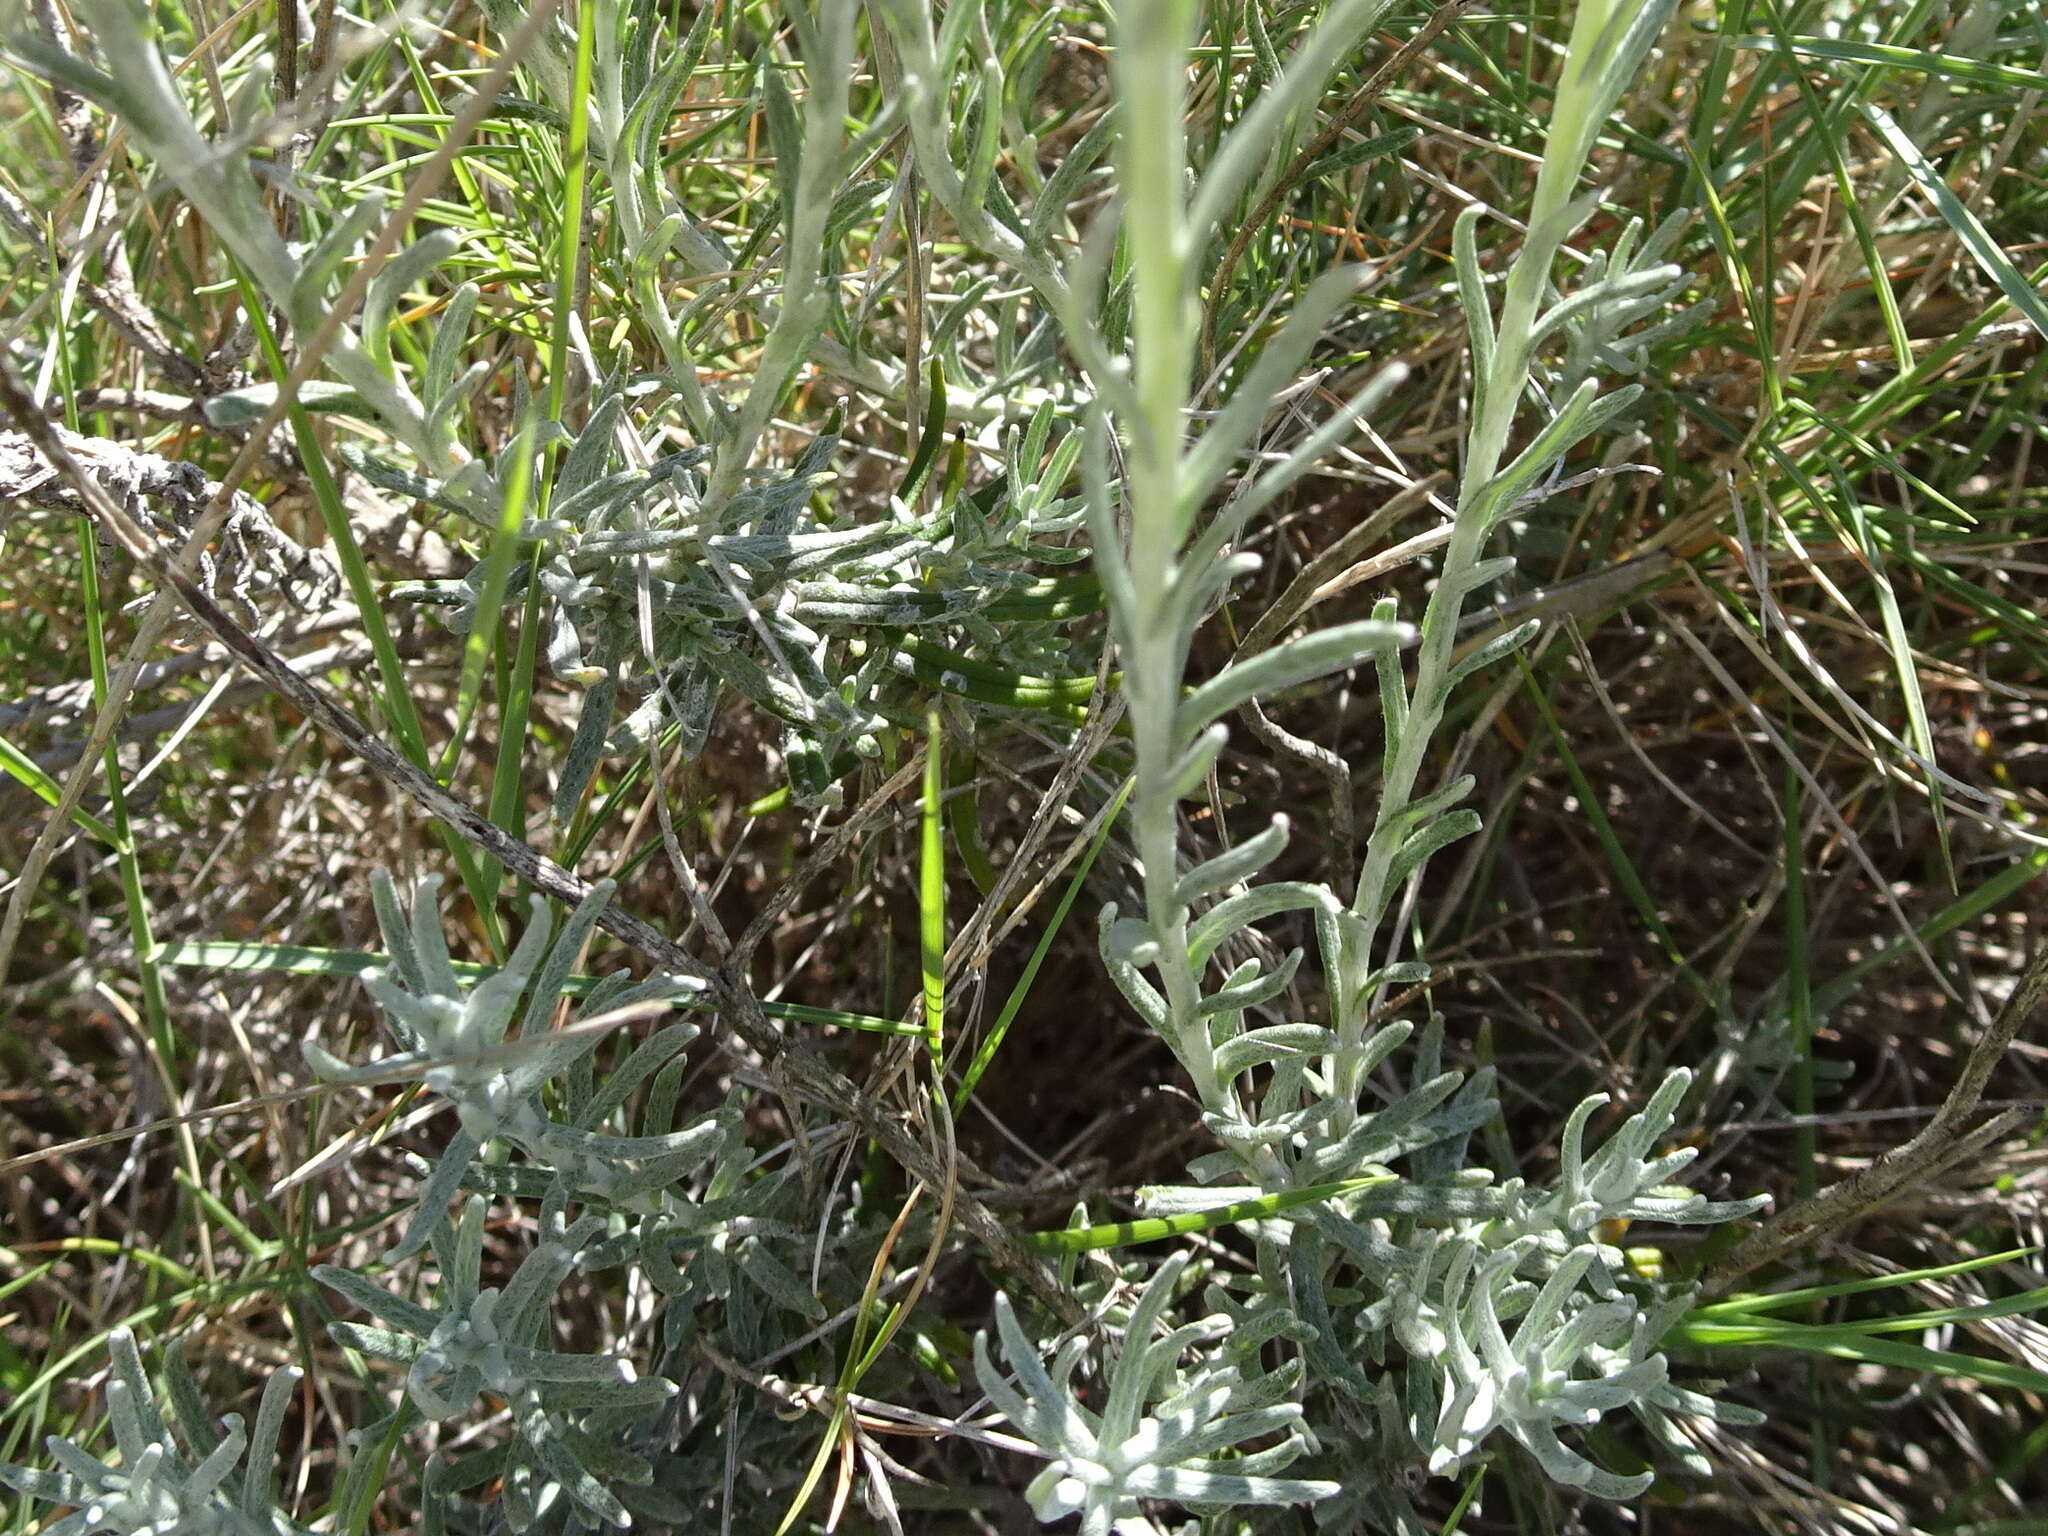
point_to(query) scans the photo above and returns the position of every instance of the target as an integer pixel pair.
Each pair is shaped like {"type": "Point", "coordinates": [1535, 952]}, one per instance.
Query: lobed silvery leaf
{"type": "Point", "coordinates": [1570, 1360]}
{"type": "Point", "coordinates": [1625, 1179]}
{"type": "Point", "coordinates": [1237, 912]}
{"type": "Point", "coordinates": [461, 1043]}
{"type": "Point", "coordinates": [154, 1489]}
{"type": "Point", "coordinates": [1165, 1431]}
{"type": "Point", "coordinates": [481, 1339]}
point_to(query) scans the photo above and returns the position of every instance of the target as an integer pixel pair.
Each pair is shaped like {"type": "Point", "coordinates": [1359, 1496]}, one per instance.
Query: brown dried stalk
{"type": "Point", "coordinates": [1946, 1140]}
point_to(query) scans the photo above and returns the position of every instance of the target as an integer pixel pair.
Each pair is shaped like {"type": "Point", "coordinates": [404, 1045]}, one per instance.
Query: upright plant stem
{"type": "Point", "coordinates": [1152, 40]}
{"type": "Point", "coordinates": [804, 296]}
{"type": "Point", "coordinates": [1584, 94]}
{"type": "Point", "coordinates": [1160, 248]}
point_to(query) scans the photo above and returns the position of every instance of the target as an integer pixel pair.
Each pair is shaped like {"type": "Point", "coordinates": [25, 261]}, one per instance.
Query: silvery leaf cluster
{"type": "Point", "coordinates": [221, 1484]}
{"type": "Point", "coordinates": [1444, 1306]}
{"type": "Point", "coordinates": [566, 1411]}
{"type": "Point", "coordinates": [1178, 1409]}
{"type": "Point", "coordinates": [663, 607]}
{"type": "Point", "coordinates": [1513, 1307]}
{"type": "Point", "coordinates": [459, 1041]}
{"type": "Point", "coordinates": [682, 1208]}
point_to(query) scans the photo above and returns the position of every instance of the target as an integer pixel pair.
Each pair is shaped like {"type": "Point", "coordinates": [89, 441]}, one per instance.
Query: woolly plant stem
{"type": "Point", "coordinates": [1608, 38]}
{"type": "Point", "coordinates": [1152, 168]}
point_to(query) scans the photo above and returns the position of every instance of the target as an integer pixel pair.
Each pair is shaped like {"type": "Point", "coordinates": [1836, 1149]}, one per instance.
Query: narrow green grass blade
{"type": "Point", "coordinates": [164, 1041]}
{"type": "Point", "coordinates": [963, 816]}
{"type": "Point", "coordinates": [156, 1263]}
{"type": "Point", "coordinates": [2026, 1303]}
{"type": "Point", "coordinates": [2000, 888]}
{"type": "Point", "coordinates": [1888, 459]}
{"type": "Point", "coordinates": [929, 439]}
{"type": "Point", "coordinates": [483, 634]}
{"type": "Point", "coordinates": [1798, 983]}
{"type": "Point", "coordinates": [1984, 250]}
{"type": "Point", "coordinates": [1617, 858]}
{"type": "Point", "coordinates": [28, 773]}
{"type": "Point", "coordinates": [256, 1248]}
{"type": "Point", "coordinates": [931, 899]}
{"type": "Point", "coordinates": [363, 1487]}
{"type": "Point", "coordinates": [1920, 61]}
{"type": "Point", "coordinates": [395, 692]}
{"type": "Point", "coordinates": [1771, 1301]}
{"type": "Point", "coordinates": [969, 677]}
{"type": "Point", "coordinates": [985, 1054]}
{"type": "Point", "coordinates": [1762, 324]}
{"type": "Point", "coordinates": [1847, 518]}
{"type": "Point", "coordinates": [515, 713]}
{"type": "Point", "coordinates": [614, 802]}
{"type": "Point", "coordinates": [1905, 665]}
{"type": "Point", "coordinates": [1826, 116]}
{"type": "Point", "coordinates": [397, 697]}
{"type": "Point", "coordinates": [1861, 1349]}
{"type": "Point", "coordinates": [515, 703]}
{"type": "Point", "coordinates": [482, 217]}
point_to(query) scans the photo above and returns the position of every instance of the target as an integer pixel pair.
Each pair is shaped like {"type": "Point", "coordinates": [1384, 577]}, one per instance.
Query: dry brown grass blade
{"type": "Point", "coordinates": [1943, 1141]}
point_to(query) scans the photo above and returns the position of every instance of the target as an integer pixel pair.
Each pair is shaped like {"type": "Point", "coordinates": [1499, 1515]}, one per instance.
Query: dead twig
{"type": "Point", "coordinates": [805, 1073]}
{"type": "Point", "coordinates": [1944, 1142]}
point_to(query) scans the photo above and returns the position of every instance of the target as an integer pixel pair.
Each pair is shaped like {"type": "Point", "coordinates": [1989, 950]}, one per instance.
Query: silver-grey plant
{"type": "Point", "coordinates": [154, 1488]}
{"type": "Point", "coordinates": [831, 629]}
{"type": "Point", "coordinates": [564, 1408]}
{"type": "Point", "coordinates": [1171, 1427]}
{"type": "Point", "coordinates": [458, 1041]}
{"type": "Point", "coordinates": [1514, 1315]}
{"type": "Point", "coordinates": [1415, 1323]}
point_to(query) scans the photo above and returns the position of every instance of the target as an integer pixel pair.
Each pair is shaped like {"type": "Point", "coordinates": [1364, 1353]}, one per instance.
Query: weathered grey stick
{"type": "Point", "coordinates": [806, 1073]}
{"type": "Point", "coordinates": [33, 422]}
{"type": "Point", "coordinates": [1944, 1141]}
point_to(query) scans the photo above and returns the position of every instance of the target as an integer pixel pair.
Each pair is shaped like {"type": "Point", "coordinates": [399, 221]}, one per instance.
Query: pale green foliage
{"type": "Point", "coordinates": [565, 1408]}
{"type": "Point", "coordinates": [1514, 1312]}
{"type": "Point", "coordinates": [673, 577]}
{"type": "Point", "coordinates": [1417, 1325]}
{"type": "Point", "coordinates": [675, 1204]}
{"type": "Point", "coordinates": [679, 577]}
{"type": "Point", "coordinates": [820, 626]}
{"type": "Point", "coordinates": [1168, 1429]}
{"type": "Point", "coordinates": [154, 1489]}
{"type": "Point", "coordinates": [457, 1042]}
{"type": "Point", "coordinates": [1514, 1317]}
{"type": "Point", "coordinates": [1566, 1360]}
